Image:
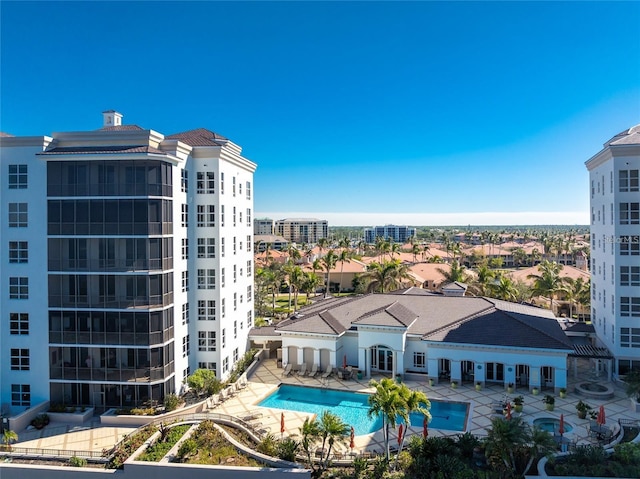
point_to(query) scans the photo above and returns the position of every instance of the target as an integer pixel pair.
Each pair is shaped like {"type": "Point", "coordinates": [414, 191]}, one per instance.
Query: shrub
{"type": "Point", "coordinates": [204, 381]}
{"type": "Point", "coordinates": [268, 445]}
{"type": "Point", "coordinates": [76, 461]}
{"type": "Point", "coordinates": [287, 449]}
{"type": "Point", "coordinates": [171, 402]}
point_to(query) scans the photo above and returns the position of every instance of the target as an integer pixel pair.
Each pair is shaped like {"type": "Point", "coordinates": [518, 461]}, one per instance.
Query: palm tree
{"type": "Point", "coordinates": [343, 257]}
{"type": "Point", "coordinates": [504, 289]}
{"type": "Point", "coordinates": [332, 429]}
{"type": "Point", "coordinates": [322, 244]}
{"type": "Point", "coordinates": [387, 276]}
{"type": "Point", "coordinates": [415, 402]}
{"type": "Point", "coordinates": [455, 273]}
{"type": "Point", "coordinates": [310, 432]}
{"type": "Point", "coordinates": [8, 436]}
{"type": "Point", "coordinates": [296, 276]}
{"type": "Point", "coordinates": [329, 262]}
{"type": "Point", "coordinates": [482, 283]}
{"type": "Point", "coordinates": [549, 282]}
{"type": "Point", "coordinates": [310, 283]}
{"type": "Point", "coordinates": [388, 404]}
{"type": "Point", "coordinates": [415, 250]}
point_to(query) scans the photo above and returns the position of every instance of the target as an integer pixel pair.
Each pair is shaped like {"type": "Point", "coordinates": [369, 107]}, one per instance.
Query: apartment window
{"type": "Point", "coordinates": [249, 243]}
{"type": "Point", "coordinates": [206, 247]}
{"type": "Point", "coordinates": [233, 185]}
{"type": "Point", "coordinates": [613, 304]}
{"type": "Point", "coordinates": [224, 338]}
{"type": "Point", "coordinates": [593, 215]}
{"type": "Point", "coordinates": [235, 329]}
{"type": "Point", "coordinates": [225, 365]}
{"type": "Point", "coordinates": [18, 215]}
{"type": "Point", "coordinates": [629, 180]}
{"type": "Point", "coordinates": [235, 273]}
{"type": "Point", "coordinates": [185, 215]}
{"type": "Point", "coordinates": [185, 346]}
{"type": "Point", "coordinates": [223, 307]}
{"type": "Point", "coordinates": [17, 177]}
{"type": "Point", "coordinates": [629, 213]}
{"type": "Point", "coordinates": [629, 275]}
{"type": "Point", "coordinates": [19, 323]}
{"type": "Point", "coordinates": [235, 302]}
{"type": "Point", "coordinates": [248, 216]}
{"type": "Point", "coordinates": [186, 373]}
{"type": "Point", "coordinates": [221, 215]}
{"type": "Point", "coordinates": [418, 360]}
{"type": "Point", "coordinates": [206, 341]}
{"type": "Point", "coordinates": [604, 299]}
{"type": "Point", "coordinates": [184, 180]}
{"type": "Point", "coordinates": [211, 366]}
{"type": "Point", "coordinates": [234, 216]}
{"type": "Point", "coordinates": [222, 278]}
{"type": "Point", "coordinates": [18, 288]}
{"type": "Point", "coordinates": [18, 252]}
{"type": "Point", "coordinates": [19, 359]}
{"type": "Point", "coordinates": [249, 268]}
{"type": "Point", "coordinates": [240, 217]}
{"type": "Point", "coordinates": [249, 293]}
{"type": "Point", "coordinates": [222, 183]}
{"type": "Point", "coordinates": [630, 306]}
{"type": "Point", "coordinates": [240, 188]}
{"type": "Point", "coordinates": [248, 190]}
{"type": "Point", "coordinates": [235, 355]}
{"type": "Point", "coordinates": [612, 213]}
{"type": "Point", "coordinates": [207, 279]}
{"type": "Point", "coordinates": [611, 181]}
{"type": "Point", "coordinates": [206, 216]}
{"type": "Point", "coordinates": [630, 337]}
{"type": "Point", "coordinates": [629, 245]}
{"type": "Point", "coordinates": [234, 245]}
{"type": "Point", "coordinates": [222, 247]}
{"type": "Point", "coordinates": [21, 395]}
{"type": "Point", "coordinates": [205, 183]}
{"type": "Point", "coordinates": [185, 313]}
{"type": "Point", "coordinates": [206, 310]}
{"type": "Point", "coordinates": [604, 271]}
{"type": "Point", "coordinates": [599, 215]}
{"type": "Point", "coordinates": [185, 281]}
{"type": "Point", "coordinates": [185, 248]}
{"type": "Point", "coordinates": [249, 319]}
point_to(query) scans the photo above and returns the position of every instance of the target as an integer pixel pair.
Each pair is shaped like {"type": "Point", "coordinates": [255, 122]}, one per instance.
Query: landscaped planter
{"type": "Point", "coordinates": [76, 417]}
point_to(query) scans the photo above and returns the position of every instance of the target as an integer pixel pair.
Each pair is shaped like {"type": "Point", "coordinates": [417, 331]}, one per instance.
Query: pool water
{"type": "Point", "coordinates": [352, 408]}
{"type": "Point", "coordinates": [551, 424]}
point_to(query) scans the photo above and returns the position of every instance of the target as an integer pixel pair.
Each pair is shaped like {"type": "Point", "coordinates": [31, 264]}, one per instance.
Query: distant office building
{"type": "Point", "coordinates": [302, 230]}
{"type": "Point", "coordinates": [615, 248]}
{"type": "Point", "coordinates": [263, 226]}
{"type": "Point", "coordinates": [399, 234]}
{"type": "Point", "coordinates": [127, 263]}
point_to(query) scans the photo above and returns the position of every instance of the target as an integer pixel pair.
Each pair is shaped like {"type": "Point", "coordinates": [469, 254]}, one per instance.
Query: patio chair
{"type": "Point", "coordinates": [303, 369]}
{"type": "Point", "coordinates": [314, 371]}
{"type": "Point", "coordinates": [327, 372]}
{"type": "Point", "coordinates": [287, 369]}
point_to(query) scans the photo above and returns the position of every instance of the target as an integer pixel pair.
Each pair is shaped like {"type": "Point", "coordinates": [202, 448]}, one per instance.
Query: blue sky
{"type": "Point", "coordinates": [361, 113]}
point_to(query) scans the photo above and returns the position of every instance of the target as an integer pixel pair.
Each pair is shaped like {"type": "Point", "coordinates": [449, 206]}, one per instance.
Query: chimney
{"type": "Point", "coordinates": [111, 118]}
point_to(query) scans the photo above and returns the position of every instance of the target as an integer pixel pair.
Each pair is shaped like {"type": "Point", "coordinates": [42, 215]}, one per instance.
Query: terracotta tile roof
{"type": "Point", "coordinates": [566, 272]}
{"type": "Point", "coordinates": [120, 128]}
{"type": "Point", "coordinates": [97, 150]}
{"type": "Point", "coordinates": [199, 137]}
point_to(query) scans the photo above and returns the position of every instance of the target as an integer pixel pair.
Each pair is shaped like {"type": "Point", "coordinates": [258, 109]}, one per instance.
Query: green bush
{"type": "Point", "coordinates": [171, 402]}
{"type": "Point", "coordinates": [160, 448]}
{"type": "Point", "coordinates": [76, 461]}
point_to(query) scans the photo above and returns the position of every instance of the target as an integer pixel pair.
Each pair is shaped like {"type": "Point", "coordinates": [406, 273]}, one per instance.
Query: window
{"type": "Point", "coordinates": [206, 183]}
{"type": "Point", "coordinates": [185, 313]}
{"type": "Point", "coordinates": [185, 248]}
{"type": "Point", "coordinates": [18, 252]}
{"type": "Point", "coordinates": [628, 180]}
{"type": "Point", "coordinates": [235, 355]}
{"type": "Point", "coordinates": [222, 183]}
{"type": "Point", "coordinates": [185, 215]}
{"type": "Point", "coordinates": [235, 329]}
{"type": "Point", "coordinates": [18, 288]}
{"type": "Point", "coordinates": [17, 177]}
{"type": "Point", "coordinates": [206, 310]}
{"type": "Point", "coordinates": [249, 243]}
{"type": "Point", "coordinates": [235, 304]}
{"type": "Point", "coordinates": [19, 323]}
{"type": "Point", "coordinates": [223, 307]}
{"type": "Point", "coordinates": [248, 190]}
{"type": "Point", "coordinates": [234, 245]}
{"type": "Point", "coordinates": [248, 293]}
{"type": "Point", "coordinates": [630, 337]}
{"type": "Point", "coordinates": [221, 215]}
{"type": "Point", "coordinates": [249, 268]}
{"type": "Point", "coordinates": [18, 215]}
{"type": "Point", "coordinates": [249, 319]}
{"type": "Point", "coordinates": [185, 281]}
{"type": "Point", "coordinates": [240, 217]}
{"type": "Point", "coordinates": [235, 273]}
{"type": "Point", "coordinates": [629, 245]}
{"type": "Point", "coordinates": [206, 247]}
{"type": "Point", "coordinates": [629, 213]}
{"type": "Point", "coordinates": [19, 359]}
{"type": "Point", "coordinates": [185, 346]}
{"type": "Point", "coordinates": [248, 216]}
{"type": "Point", "coordinates": [184, 180]}
{"type": "Point", "coordinates": [21, 395]}
{"type": "Point", "coordinates": [224, 338]}
{"type": "Point", "coordinates": [593, 188]}
{"type": "Point", "coordinates": [206, 341]}
{"type": "Point", "coordinates": [222, 278]}
{"type": "Point", "coordinates": [234, 215]}
{"type": "Point", "coordinates": [233, 185]}
{"type": "Point", "coordinates": [212, 366]}
{"type": "Point", "coordinates": [225, 364]}
{"type": "Point", "coordinates": [612, 213]}
{"type": "Point", "coordinates": [207, 279]}
{"type": "Point", "coordinates": [630, 306]}
{"type": "Point", "coordinates": [206, 216]}
{"type": "Point", "coordinates": [629, 275]}
{"type": "Point", "coordinates": [418, 360]}
{"type": "Point", "coordinates": [222, 247]}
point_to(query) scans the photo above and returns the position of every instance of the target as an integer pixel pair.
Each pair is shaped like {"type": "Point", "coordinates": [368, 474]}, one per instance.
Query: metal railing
{"type": "Point", "coordinates": [50, 453]}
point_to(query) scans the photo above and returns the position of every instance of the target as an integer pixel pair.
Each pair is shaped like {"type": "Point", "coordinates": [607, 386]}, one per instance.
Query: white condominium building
{"type": "Point", "coordinates": [127, 263]}
{"type": "Point", "coordinates": [615, 247]}
{"type": "Point", "coordinates": [302, 230]}
{"type": "Point", "coordinates": [399, 234]}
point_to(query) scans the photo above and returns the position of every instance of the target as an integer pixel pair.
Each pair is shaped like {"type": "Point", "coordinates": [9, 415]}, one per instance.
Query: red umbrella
{"type": "Point", "coordinates": [352, 444]}
{"type": "Point", "coordinates": [281, 423]}
{"type": "Point", "coordinates": [601, 419]}
{"type": "Point", "coordinates": [561, 425]}
{"type": "Point", "coordinates": [344, 362]}
{"type": "Point", "coordinates": [508, 408]}
{"type": "Point", "coordinates": [425, 427]}
{"type": "Point", "coordinates": [400, 434]}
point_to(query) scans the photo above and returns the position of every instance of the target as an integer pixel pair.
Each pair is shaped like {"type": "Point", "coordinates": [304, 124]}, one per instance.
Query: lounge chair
{"type": "Point", "coordinates": [314, 371]}
{"type": "Point", "coordinates": [303, 369]}
{"type": "Point", "coordinates": [328, 372]}
{"type": "Point", "coordinates": [287, 369]}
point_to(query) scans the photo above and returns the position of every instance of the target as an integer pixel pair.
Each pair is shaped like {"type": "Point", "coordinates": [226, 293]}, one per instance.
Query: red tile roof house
{"type": "Point", "coordinates": [418, 333]}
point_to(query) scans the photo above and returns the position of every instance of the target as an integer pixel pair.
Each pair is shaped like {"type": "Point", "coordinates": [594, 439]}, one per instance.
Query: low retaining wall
{"type": "Point", "coordinates": [23, 420]}
{"type": "Point", "coordinates": [71, 417]}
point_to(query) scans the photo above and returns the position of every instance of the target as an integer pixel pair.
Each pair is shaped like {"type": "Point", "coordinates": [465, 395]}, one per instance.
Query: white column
{"type": "Point", "coordinates": [300, 356]}
{"type": "Point", "coordinates": [432, 369]}
{"type": "Point", "coordinates": [456, 371]}
{"type": "Point", "coordinates": [316, 356]}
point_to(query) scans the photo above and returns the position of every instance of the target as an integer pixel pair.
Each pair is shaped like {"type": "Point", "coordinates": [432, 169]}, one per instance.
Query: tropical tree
{"type": "Point", "coordinates": [415, 251]}
{"type": "Point", "coordinates": [578, 294]}
{"type": "Point", "coordinates": [296, 277]}
{"type": "Point", "coordinates": [332, 430]}
{"type": "Point", "coordinates": [344, 256]}
{"type": "Point", "coordinates": [456, 273]}
{"type": "Point", "coordinates": [414, 402]}
{"type": "Point", "coordinates": [387, 403]}
{"type": "Point", "coordinates": [9, 436]}
{"type": "Point", "coordinates": [387, 276]}
{"type": "Point", "coordinates": [310, 283]}
{"type": "Point", "coordinates": [484, 276]}
{"type": "Point", "coordinates": [329, 262]}
{"type": "Point", "coordinates": [549, 282]}
{"type": "Point", "coordinates": [310, 432]}
{"type": "Point", "coordinates": [504, 289]}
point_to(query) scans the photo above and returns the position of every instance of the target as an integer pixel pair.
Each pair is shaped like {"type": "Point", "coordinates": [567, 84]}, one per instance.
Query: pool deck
{"type": "Point", "coordinates": [267, 377]}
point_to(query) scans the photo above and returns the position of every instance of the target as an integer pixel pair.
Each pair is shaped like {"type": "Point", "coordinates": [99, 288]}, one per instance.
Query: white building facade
{"type": "Point", "coordinates": [128, 263]}
{"type": "Point", "coordinates": [615, 247]}
{"type": "Point", "coordinates": [399, 234]}
{"type": "Point", "coordinates": [302, 230]}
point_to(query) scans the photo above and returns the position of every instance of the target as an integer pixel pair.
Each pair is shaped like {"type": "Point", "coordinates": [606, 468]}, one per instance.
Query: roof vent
{"type": "Point", "coordinates": [111, 118]}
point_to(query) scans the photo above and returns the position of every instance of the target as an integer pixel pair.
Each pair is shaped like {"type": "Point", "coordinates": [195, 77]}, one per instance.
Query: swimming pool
{"type": "Point", "coordinates": [551, 424]}
{"type": "Point", "coordinates": [352, 408]}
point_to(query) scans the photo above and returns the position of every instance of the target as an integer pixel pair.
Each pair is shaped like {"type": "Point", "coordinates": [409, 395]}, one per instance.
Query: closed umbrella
{"type": "Point", "coordinates": [425, 427]}
{"type": "Point", "coordinates": [400, 429]}
{"type": "Point", "coordinates": [561, 425]}
{"type": "Point", "coordinates": [344, 362]}
{"type": "Point", "coordinates": [508, 408]}
{"type": "Point", "coordinates": [281, 424]}
{"type": "Point", "coordinates": [601, 419]}
{"type": "Point", "coordinates": [352, 444]}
